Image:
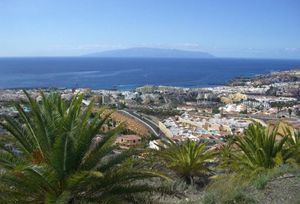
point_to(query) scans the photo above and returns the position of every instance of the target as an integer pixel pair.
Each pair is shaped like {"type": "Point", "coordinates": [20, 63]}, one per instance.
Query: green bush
{"type": "Point", "coordinates": [239, 197]}
{"type": "Point", "coordinates": [226, 188]}
{"type": "Point", "coordinates": [233, 197]}
{"type": "Point", "coordinates": [209, 198]}
{"type": "Point", "coordinates": [261, 181]}
{"type": "Point", "coordinates": [215, 111]}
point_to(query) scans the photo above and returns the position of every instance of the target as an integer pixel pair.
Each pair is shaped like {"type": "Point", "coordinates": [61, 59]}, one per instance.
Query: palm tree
{"type": "Point", "coordinates": [57, 154]}
{"type": "Point", "coordinates": [187, 159]}
{"type": "Point", "coordinates": [259, 148]}
{"type": "Point", "coordinates": [293, 144]}
{"type": "Point", "coordinates": [226, 158]}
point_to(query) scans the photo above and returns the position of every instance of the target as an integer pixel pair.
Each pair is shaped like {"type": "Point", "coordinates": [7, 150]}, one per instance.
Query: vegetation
{"type": "Point", "coordinates": [188, 159]}
{"type": "Point", "coordinates": [280, 105]}
{"type": "Point", "coordinates": [230, 197]}
{"type": "Point", "coordinates": [253, 160]}
{"type": "Point", "coordinates": [244, 112]}
{"type": "Point", "coordinates": [290, 111]}
{"type": "Point", "coordinates": [57, 154]}
{"type": "Point", "coordinates": [238, 188]}
{"type": "Point", "coordinates": [261, 180]}
{"type": "Point", "coordinates": [160, 112]}
{"type": "Point", "coordinates": [216, 110]}
{"type": "Point", "coordinates": [260, 148]}
{"type": "Point", "coordinates": [293, 144]}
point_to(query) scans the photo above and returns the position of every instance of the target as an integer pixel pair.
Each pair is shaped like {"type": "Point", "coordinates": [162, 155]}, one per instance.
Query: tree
{"type": "Point", "coordinates": [297, 112]}
{"type": "Point", "coordinates": [290, 112]}
{"type": "Point", "coordinates": [279, 105]}
{"type": "Point", "coordinates": [244, 111]}
{"type": "Point", "coordinates": [57, 154]}
{"type": "Point", "coordinates": [259, 148]}
{"type": "Point", "coordinates": [215, 110]}
{"type": "Point", "coordinates": [272, 91]}
{"type": "Point", "coordinates": [293, 144]}
{"type": "Point", "coordinates": [187, 159]}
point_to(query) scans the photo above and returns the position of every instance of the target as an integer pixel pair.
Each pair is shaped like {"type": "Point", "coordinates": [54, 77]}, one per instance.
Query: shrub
{"type": "Point", "coordinates": [259, 149]}
{"type": "Point", "coordinates": [188, 159]}
{"type": "Point", "coordinates": [261, 181]}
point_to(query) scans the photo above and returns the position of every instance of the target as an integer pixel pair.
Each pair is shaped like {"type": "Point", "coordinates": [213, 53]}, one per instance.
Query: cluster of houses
{"type": "Point", "coordinates": [207, 114]}
{"type": "Point", "coordinates": [194, 126]}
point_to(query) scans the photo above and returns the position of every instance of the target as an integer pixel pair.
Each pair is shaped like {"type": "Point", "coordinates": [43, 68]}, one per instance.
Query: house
{"type": "Point", "coordinates": [129, 140]}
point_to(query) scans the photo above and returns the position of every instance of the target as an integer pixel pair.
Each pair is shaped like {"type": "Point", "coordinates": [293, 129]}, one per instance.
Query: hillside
{"type": "Point", "coordinates": [143, 52]}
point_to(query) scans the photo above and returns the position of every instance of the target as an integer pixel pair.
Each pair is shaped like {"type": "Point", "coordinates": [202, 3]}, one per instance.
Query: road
{"type": "Point", "coordinates": [148, 123]}
{"type": "Point", "coordinates": [261, 117]}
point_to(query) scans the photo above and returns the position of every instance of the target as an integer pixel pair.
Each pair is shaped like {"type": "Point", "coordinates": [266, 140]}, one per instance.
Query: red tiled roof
{"type": "Point", "coordinates": [130, 137]}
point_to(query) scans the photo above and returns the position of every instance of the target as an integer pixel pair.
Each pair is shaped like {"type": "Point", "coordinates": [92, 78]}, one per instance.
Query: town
{"type": "Point", "coordinates": [201, 114]}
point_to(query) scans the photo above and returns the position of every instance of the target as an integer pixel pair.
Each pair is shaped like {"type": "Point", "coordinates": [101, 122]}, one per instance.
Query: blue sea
{"type": "Point", "coordinates": [129, 73]}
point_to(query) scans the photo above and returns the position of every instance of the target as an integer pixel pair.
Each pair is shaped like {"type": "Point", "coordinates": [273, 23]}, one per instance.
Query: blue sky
{"type": "Point", "coordinates": [225, 28]}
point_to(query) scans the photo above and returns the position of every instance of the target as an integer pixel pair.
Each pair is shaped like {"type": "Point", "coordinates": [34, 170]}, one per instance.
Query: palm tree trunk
{"type": "Point", "coordinates": [188, 180]}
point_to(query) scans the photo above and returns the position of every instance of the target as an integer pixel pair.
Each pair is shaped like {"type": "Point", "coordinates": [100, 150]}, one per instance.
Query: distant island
{"type": "Point", "coordinates": [144, 52]}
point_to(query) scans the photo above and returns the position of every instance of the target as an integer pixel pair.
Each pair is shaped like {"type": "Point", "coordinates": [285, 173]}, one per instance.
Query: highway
{"type": "Point", "coordinates": [147, 122]}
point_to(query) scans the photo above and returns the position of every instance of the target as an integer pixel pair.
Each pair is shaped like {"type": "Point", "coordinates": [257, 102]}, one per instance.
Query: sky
{"type": "Point", "coordinates": [224, 28]}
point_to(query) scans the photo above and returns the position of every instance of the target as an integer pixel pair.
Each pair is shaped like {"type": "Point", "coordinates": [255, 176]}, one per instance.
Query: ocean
{"type": "Point", "coordinates": [129, 73]}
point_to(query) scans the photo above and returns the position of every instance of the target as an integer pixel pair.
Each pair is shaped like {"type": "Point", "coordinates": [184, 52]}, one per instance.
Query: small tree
{"type": "Point", "coordinates": [260, 148]}
{"type": "Point", "coordinates": [188, 159]}
{"type": "Point", "coordinates": [290, 112]}
{"type": "Point", "coordinates": [215, 110]}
